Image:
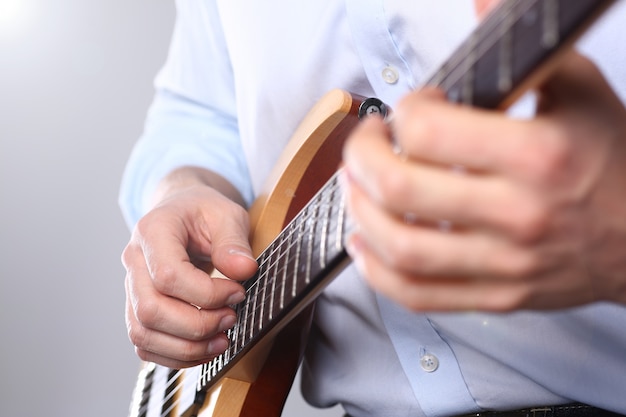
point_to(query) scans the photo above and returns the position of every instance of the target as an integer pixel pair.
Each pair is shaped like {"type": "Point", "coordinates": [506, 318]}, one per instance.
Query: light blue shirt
{"type": "Point", "coordinates": [241, 75]}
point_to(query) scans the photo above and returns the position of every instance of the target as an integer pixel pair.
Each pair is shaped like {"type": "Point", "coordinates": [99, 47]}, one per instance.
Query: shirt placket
{"type": "Point", "coordinates": [386, 70]}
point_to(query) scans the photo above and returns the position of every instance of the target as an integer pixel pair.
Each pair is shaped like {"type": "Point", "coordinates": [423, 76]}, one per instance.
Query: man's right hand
{"type": "Point", "coordinates": [176, 313]}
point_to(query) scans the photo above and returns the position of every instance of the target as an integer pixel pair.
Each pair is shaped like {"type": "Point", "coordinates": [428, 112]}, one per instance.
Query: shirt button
{"type": "Point", "coordinates": [429, 363]}
{"type": "Point", "coordinates": [390, 75]}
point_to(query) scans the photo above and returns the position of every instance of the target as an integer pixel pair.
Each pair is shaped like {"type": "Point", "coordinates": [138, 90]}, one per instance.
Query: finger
{"type": "Point", "coordinates": [227, 230]}
{"type": "Point", "coordinates": [428, 128]}
{"type": "Point", "coordinates": [162, 313]}
{"type": "Point", "coordinates": [172, 363]}
{"type": "Point", "coordinates": [435, 294]}
{"type": "Point", "coordinates": [170, 268]}
{"type": "Point", "coordinates": [169, 350]}
{"type": "Point", "coordinates": [420, 293]}
{"type": "Point", "coordinates": [426, 249]}
{"type": "Point", "coordinates": [434, 192]}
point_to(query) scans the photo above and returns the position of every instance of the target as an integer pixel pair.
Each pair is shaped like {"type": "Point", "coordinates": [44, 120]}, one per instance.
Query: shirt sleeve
{"type": "Point", "coordinates": [192, 120]}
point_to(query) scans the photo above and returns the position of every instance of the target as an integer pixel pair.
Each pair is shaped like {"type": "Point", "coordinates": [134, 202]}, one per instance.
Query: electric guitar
{"type": "Point", "coordinates": [299, 224]}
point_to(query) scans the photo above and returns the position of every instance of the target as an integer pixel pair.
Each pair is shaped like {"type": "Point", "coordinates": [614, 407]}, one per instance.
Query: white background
{"type": "Point", "coordinates": [75, 83]}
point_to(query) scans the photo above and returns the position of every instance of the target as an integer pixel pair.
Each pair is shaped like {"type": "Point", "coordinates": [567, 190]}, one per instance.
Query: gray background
{"type": "Point", "coordinates": [75, 82]}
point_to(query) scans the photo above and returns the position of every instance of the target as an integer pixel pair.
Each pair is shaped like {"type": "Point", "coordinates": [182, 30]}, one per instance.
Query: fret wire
{"type": "Point", "coordinates": [245, 320]}
{"type": "Point", "coordinates": [324, 234]}
{"type": "Point", "coordinates": [468, 78]}
{"type": "Point", "coordinates": [271, 277]}
{"type": "Point", "coordinates": [301, 226]}
{"type": "Point", "coordinates": [227, 351]}
{"type": "Point", "coordinates": [254, 305]}
{"type": "Point", "coordinates": [284, 274]}
{"type": "Point", "coordinates": [203, 374]}
{"type": "Point", "coordinates": [505, 64]}
{"type": "Point", "coordinates": [340, 222]}
{"type": "Point", "coordinates": [272, 292]}
{"type": "Point", "coordinates": [550, 29]}
{"type": "Point", "coordinates": [310, 242]}
{"type": "Point", "coordinates": [235, 337]}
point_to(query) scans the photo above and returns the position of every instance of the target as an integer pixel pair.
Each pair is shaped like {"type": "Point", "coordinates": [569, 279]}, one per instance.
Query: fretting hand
{"type": "Point", "coordinates": [537, 214]}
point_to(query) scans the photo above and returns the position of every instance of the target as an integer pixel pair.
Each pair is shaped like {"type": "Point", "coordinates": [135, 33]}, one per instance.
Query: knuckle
{"type": "Point", "coordinates": [143, 354]}
{"type": "Point", "coordinates": [203, 329]}
{"type": "Point", "coordinates": [127, 255]}
{"type": "Point", "coordinates": [549, 158]}
{"type": "Point", "coordinates": [188, 351]}
{"type": "Point", "coordinates": [528, 221]}
{"type": "Point", "coordinates": [393, 185]}
{"type": "Point", "coordinates": [137, 336]}
{"type": "Point", "coordinates": [515, 265]}
{"type": "Point", "coordinates": [142, 227]}
{"type": "Point", "coordinates": [164, 278]}
{"type": "Point", "coordinates": [517, 299]}
{"type": "Point", "coordinates": [503, 297]}
{"type": "Point", "coordinates": [401, 251]}
{"type": "Point", "coordinates": [147, 313]}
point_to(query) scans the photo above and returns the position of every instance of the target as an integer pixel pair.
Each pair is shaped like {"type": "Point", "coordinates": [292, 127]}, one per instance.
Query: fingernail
{"type": "Point", "coordinates": [226, 323]}
{"type": "Point", "coordinates": [236, 298]}
{"type": "Point", "coordinates": [239, 252]}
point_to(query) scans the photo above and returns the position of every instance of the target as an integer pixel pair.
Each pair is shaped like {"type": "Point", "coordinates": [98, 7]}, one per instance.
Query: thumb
{"type": "Point", "coordinates": [231, 253]}
{"type": "Point", "coordinates": [576, 85]}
